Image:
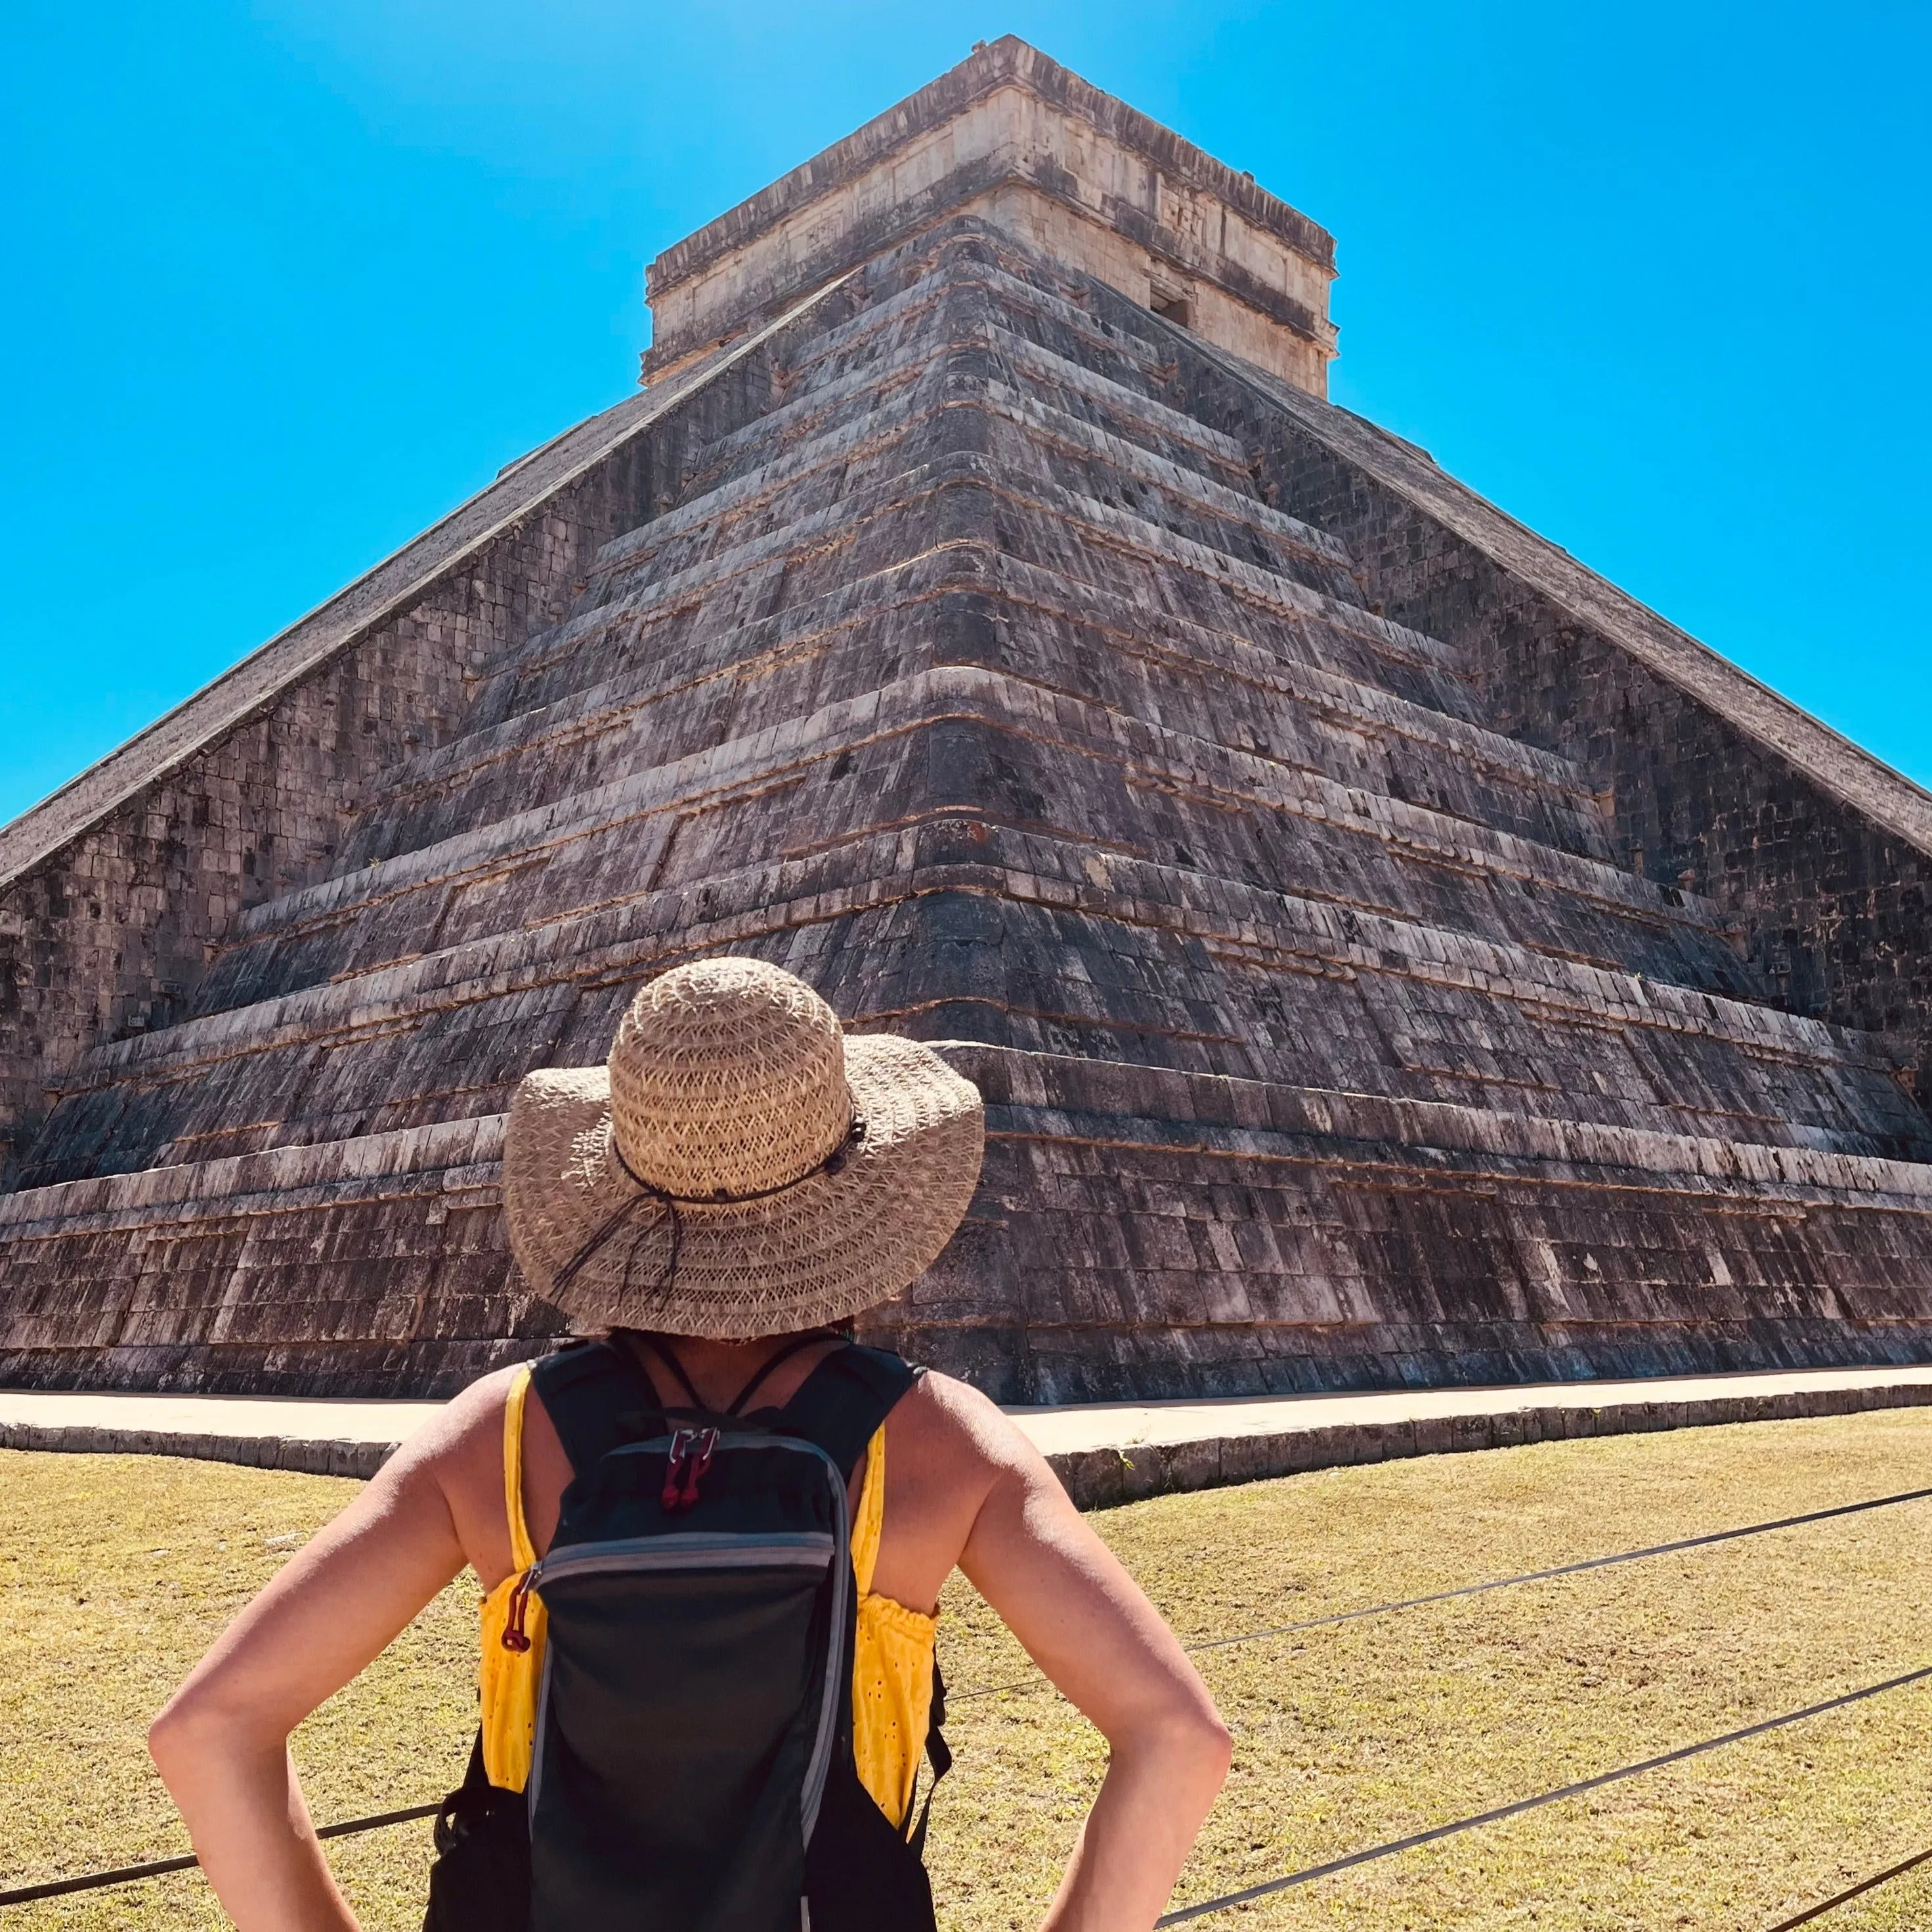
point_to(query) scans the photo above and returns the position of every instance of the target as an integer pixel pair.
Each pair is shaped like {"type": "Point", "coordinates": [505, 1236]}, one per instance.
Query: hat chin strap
{"type": "Point", "coordinates": [649, 1194]}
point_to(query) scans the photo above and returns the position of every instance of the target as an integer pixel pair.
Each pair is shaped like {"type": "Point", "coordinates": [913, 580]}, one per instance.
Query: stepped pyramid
{"type": "Point", "coordinates": [1389, 953]}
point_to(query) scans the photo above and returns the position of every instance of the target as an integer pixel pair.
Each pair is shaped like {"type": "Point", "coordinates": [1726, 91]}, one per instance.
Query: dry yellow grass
{"type": "Point", "coordinates": [1366, 1731]}
{"type": "Point", "coordinates": [115, 1574]}
{"type": "Point", "coordinates": [1346, 1736]}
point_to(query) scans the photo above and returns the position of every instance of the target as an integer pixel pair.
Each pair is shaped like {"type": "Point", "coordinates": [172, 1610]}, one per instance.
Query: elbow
{"type": "Point", "coordinates": [177, 1736]}
{"type": "Point", "coordinates": [188, 1734]}
{"type": "Point", "coordinates": [1193, 1745]}
{"type": "Point", "coordinates": [1213, 1747]}
{"type": "Point", "coordinates": [167, 1740]}
{"type": "Point", "coordinates": [1202, 1753]}
{"type": "Point", "coordinates": [204, 1745]}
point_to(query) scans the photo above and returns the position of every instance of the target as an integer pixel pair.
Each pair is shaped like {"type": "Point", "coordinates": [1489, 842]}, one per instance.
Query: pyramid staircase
{"type": "Point", "coordinates": [1326, 1041]}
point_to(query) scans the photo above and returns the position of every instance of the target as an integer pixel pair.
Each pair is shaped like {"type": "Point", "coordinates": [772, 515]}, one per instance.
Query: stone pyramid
{"type": "Point", "coordinates": [1389, 953]}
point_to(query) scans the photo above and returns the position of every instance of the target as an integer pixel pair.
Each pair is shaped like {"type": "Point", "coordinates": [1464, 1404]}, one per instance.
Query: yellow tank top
{"type": "Point", "coordinates": [892, 1664]}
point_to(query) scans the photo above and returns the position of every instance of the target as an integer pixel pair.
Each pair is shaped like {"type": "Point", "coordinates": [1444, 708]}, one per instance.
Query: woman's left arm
{"type": "Point", "coordinates": [222, 1743]}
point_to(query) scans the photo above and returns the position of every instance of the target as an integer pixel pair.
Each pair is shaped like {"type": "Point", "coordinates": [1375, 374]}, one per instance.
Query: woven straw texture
{"type": "Point", "coordinates": [731, 1079]}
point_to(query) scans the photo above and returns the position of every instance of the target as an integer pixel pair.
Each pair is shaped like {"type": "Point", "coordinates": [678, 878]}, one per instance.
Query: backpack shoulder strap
{"type": "Point", "coordinates": [585, 1391]}
{"type": "Point", "coordinates": [841, 1403]}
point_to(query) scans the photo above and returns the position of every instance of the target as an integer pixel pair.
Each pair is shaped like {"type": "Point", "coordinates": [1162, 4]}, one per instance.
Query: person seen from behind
{"type": "Point", "coordinates": [712, 1541]}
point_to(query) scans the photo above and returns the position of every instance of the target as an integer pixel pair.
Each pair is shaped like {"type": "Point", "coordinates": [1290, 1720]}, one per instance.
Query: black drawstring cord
{"type": "Point", "coordinates": [613, 1221]}
{"type": "Point", "coordinates": [855, 1132]}
{"type": "Point", "coordinates": [647, 1192]}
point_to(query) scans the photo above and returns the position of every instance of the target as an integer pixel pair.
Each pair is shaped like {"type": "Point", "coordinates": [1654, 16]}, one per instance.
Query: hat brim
{"type": "Point", "coordinates": [826, 1248]}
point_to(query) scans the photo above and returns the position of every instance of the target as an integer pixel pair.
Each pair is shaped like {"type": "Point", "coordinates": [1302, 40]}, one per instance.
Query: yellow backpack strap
{"type": "Point", "coordinates": [522, 1554]}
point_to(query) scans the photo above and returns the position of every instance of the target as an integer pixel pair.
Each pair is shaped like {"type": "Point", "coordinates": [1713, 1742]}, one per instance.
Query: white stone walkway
{"type": "Point", "coordinates": [1106, 1452]}
{"type": "Point", "coordinates": [1103, 1424]}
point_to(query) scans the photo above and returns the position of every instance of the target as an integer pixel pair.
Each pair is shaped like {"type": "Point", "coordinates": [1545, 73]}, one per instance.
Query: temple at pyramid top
{"type": "Point", "coordinates": [1390, 954]}
{"type": "Point", "coordinates": [1012, 136]}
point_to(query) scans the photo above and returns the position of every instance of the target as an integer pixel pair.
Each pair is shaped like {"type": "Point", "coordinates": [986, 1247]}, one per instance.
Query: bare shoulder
{"type": "Point", "coordinates": [951, 1457]}
{"type": "Point", "coordinates": [469, 1422]}
{"type": "Point", "coordinates": [953, 1421]}
{"type": "Point", "coordinates": [459, 1451]}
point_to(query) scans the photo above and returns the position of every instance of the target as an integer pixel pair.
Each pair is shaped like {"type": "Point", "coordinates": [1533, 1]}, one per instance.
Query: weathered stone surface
{"type": "Point", "coordinates": [115, 891]}
{"type": "Point", "coordinates": [1389, 955]}
{"type": "Point", "coordinates": [1012, 136]}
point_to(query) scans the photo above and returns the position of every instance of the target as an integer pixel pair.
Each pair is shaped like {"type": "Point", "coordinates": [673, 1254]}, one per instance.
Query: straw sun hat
{"type": "Point", "coordinates": [739, 1167]}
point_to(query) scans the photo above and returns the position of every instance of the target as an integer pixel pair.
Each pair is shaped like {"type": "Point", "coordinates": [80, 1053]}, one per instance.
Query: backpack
{"type": "Point", "coordinates": [693, 1768]}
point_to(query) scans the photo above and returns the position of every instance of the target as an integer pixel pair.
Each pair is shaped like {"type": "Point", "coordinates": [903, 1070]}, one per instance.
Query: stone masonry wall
{"type": "Point", "coordinates": [959, 664]}
{"type": "Point", "coordinates": [107, 937]}
{"type": "Point", "coordinates": [1836, 910]}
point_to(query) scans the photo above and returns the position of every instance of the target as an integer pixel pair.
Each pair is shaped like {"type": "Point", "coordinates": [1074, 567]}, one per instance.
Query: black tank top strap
{"type": "Point", "coordinates": [638, 1346]}
{"type": "Point", "coordinates": [740, 1403]}
{"type": "Point", "coordinates": [841, 1404]}
{"type": "Point", "coordinates": [589, 1391]}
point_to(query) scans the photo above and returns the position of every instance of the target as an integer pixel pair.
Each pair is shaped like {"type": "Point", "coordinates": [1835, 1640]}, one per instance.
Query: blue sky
{"type": "Point", "coordinates": [286, 281]}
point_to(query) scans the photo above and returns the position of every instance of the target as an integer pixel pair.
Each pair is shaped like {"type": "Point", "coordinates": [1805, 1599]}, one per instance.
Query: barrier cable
{"type": "Point", "coordinates": [156, 1867]}
{"type": "Point", "coordinates": [59, 1888]}
{"type": "Point", "coordinates": [1497, 1583]}
{"type": "Point", "coordinates": [1845, 1897]}
{"type": "Point", "coordinates": [1436, 1832]}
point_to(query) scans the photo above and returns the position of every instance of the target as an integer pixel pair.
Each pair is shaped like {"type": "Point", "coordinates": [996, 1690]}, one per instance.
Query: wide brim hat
{"type": "Point", "coordinates": [739, 1167]}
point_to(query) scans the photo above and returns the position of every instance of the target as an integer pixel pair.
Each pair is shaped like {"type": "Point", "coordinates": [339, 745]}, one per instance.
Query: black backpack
{"type": "Point", "coordinates": [693, 1768]}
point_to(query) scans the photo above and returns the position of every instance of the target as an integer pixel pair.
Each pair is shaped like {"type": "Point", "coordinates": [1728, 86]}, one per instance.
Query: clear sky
{"type": "Point", "coordinates": [286, 281]}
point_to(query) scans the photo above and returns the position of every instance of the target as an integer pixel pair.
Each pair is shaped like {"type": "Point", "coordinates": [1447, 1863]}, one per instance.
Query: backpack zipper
{"type": "Point", "coordinates": [692, 1450]}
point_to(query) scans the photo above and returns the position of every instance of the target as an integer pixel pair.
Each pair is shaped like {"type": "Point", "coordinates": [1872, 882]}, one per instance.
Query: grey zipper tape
{"type": "Point", "coordinates": [689, 1549]}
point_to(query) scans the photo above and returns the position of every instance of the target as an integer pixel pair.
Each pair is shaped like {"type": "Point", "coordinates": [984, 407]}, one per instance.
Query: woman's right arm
{"type": "Point", "coordinates": [222, 1743]}
{"type": "Point", "coordinates": [1085, 1622]}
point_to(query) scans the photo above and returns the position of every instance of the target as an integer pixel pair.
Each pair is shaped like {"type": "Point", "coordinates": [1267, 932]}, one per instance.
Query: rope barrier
{"type": "Point", "coordinates": [1436, 1832]}
{"type": "Point", "coordinates": [1036, 1682]}
{"type": "Point", "coordinates": [157, 1867]}
{"type": "Point", "coordinates": [1845, 1897]}
{"type": "Point", "coordinates": [59, 1888]}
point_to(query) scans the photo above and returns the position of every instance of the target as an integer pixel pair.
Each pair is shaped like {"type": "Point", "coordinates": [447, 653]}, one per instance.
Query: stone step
{"type": "Point", "coordinates": [975, 266]}
{"type": "Point", "coordinates": [116, 1281]}
{"type": "Point", "coordinates": [1134, 629]}
{"type": "Point", "coordinates": [1108, 1454]}
{"type": "Point", "coordinates": [938, 386]}
{"type": "Point", "coordinates": [970, 314]}
{"type": "Point", "coordinates": [1238, 1232]}
{"type": "Point", "coordinates": [1237, 792]}
{"type": "Point", "coordinates": [962, 496]}
{"type": "Point", "coordinates": [1061, 377]}
{"type": "Point", "coordinates": [1095, 648]}
{"type": "Point", "coordinates": [956, 927]}
{"type": "Point", "coordinates": [968, 426]}
{"type": "Point", "coordinates": [1156, 1234]}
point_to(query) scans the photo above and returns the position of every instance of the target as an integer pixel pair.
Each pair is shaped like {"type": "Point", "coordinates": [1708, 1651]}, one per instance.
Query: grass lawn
{"type": "Point", "coordinates": [119, 1570]}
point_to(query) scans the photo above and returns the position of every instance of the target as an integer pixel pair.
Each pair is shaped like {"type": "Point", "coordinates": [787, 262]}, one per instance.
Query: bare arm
{"type": "Point", "coordinates": [1086, 1623]}
{"type": "Point", "coordinates": [221, 1744]}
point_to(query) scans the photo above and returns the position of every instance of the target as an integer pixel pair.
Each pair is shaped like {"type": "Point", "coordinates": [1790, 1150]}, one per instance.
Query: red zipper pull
{"type": "Point", "coordinates": [696, 1465]}
{"type": "Point", "coordinates": [668, 1498]}
{"type": "Point", "coordinates": [513, 1638]}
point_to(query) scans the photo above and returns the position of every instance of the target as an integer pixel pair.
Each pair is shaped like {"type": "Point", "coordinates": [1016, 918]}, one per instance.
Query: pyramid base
{"type": "Point", "coordinates": [1139, 1235]}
